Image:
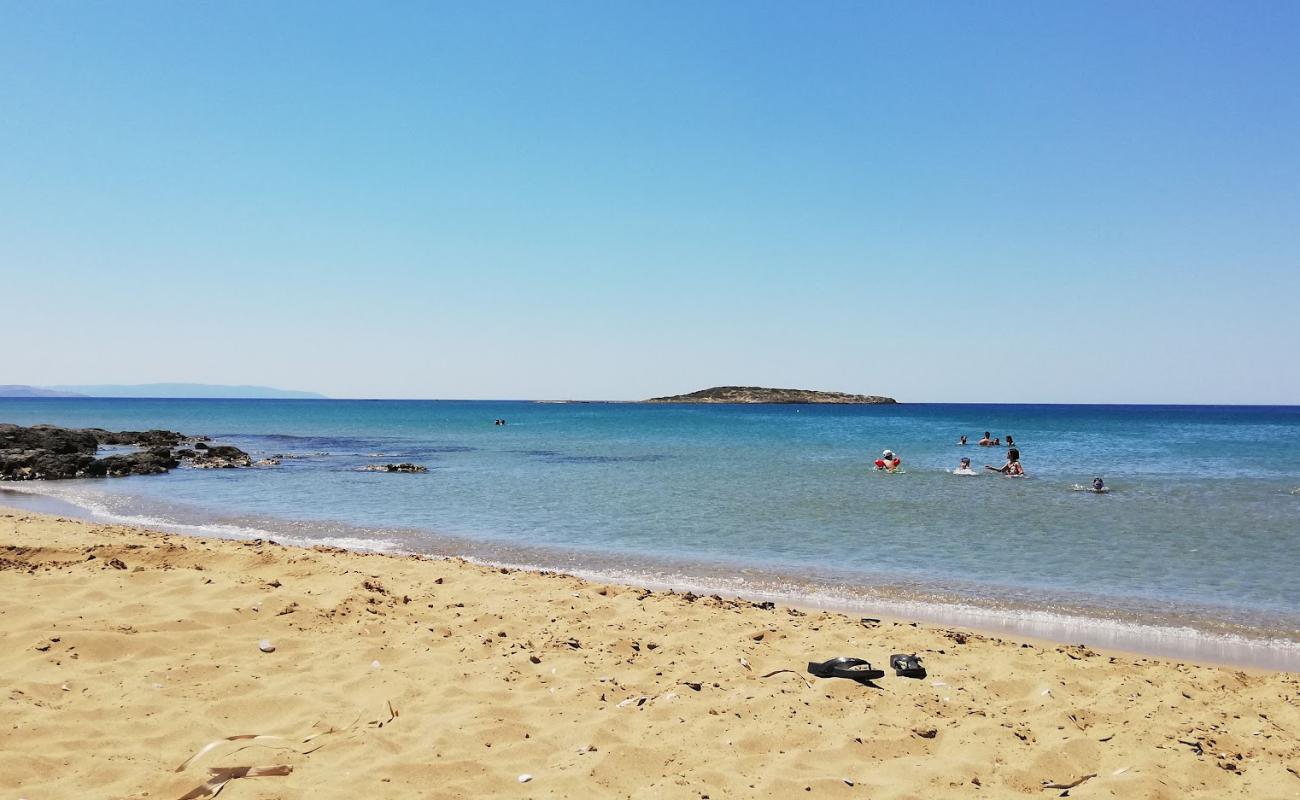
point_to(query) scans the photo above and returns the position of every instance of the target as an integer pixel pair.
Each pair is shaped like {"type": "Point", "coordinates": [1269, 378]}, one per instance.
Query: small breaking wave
{"type": "Point", "coordinates": [96, 508]}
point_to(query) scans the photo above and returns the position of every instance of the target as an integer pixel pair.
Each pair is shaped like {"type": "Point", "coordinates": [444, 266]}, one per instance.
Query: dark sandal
{"type": "Point", "coordinates": [856, 669]}
{"type": "Point", "coordinates": [907, 666]}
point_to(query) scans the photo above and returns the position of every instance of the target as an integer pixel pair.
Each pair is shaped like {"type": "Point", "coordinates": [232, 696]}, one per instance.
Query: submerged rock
{"type": "Point", "coordinates": [404, 467]}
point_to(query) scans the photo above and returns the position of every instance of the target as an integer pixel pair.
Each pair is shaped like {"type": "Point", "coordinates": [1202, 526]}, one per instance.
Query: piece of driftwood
{"type": "Point", "coordinates": [1071, 784]}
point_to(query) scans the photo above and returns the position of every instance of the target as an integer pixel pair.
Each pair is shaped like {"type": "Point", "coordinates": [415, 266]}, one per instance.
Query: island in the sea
{"type": "Point", "coordinates": [758, 394]}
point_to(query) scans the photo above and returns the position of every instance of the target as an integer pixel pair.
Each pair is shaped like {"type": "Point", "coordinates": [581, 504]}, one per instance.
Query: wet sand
{"type": "Point", "coordinates": [127, 651]}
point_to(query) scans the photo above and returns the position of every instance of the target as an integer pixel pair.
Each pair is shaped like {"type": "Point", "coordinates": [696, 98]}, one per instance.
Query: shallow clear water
{"type": "Point", "coordinates": [1201, 531]}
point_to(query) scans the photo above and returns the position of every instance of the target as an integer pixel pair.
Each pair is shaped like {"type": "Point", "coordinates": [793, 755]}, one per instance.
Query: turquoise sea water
{"type": "Point", "coordinates": [1194, 552]}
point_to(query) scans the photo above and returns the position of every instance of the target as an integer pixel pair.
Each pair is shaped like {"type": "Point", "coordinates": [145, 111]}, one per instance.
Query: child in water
{"type": "Point", "coordinates": [963, 468]}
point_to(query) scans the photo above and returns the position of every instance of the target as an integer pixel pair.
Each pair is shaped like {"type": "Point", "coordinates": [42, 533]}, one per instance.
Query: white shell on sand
{"type": "Point", "coordinates": [265, 646]}
{"type": "Point", "coordinates": [525, 778]}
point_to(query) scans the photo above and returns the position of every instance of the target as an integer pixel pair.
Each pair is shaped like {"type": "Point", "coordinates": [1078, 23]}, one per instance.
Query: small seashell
{"type": "Point", "coordinates": [374, 664]}
{"type": "Point", "coordinates": [265, 646]}
{"type": "Point", "coordinates": [847, 782]}
{"type": "Point", "coordinates": [525, 778]}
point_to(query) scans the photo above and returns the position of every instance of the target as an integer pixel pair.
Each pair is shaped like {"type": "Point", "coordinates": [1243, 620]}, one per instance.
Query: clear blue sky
{"type": "Point", "coordinates": [1038, 201]}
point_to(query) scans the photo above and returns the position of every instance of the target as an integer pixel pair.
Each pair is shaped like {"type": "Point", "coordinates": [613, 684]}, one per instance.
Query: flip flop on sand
{"type": "Point", "coordinates": [855, 669]}
{"type": "Point", "coordinates": [906, 666]}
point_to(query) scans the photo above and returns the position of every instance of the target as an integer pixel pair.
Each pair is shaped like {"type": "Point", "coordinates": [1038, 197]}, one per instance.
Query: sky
{"type": "Point", "coordinates": [936, 201]}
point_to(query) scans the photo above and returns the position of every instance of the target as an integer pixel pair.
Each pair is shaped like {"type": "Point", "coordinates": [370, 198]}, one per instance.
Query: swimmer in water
{"type": "Point", "coordinates": [986, 441]}
{"type": "Point", "coordinates": [1012, 467]}
{"type": "Point", "coordinates": [1098, 485]}
{"type": "Point", "coordinates": [888, 462]}
{"type": "Point", "coordinates": [962, 440]}
{"type": "Point", "coordinates": [1010, 442]}
{"type": "Point", "coordinates": [963, 468]}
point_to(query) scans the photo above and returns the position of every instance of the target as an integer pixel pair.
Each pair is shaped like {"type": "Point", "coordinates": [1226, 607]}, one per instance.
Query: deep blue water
{"type": "Point", "coordinates": [1201, 529]}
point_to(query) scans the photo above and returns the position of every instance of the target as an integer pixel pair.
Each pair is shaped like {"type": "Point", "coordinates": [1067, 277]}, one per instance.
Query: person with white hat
{"type": "Point", "coordinates": [888, 461]}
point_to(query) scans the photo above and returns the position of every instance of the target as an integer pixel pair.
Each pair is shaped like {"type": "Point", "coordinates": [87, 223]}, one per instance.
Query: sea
{"type": "Point", "coordinates": [1194, 553]}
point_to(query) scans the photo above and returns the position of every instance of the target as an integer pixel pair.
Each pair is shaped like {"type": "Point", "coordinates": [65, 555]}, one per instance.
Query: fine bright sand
{"type": "Point", "coordinates": [126, 651]}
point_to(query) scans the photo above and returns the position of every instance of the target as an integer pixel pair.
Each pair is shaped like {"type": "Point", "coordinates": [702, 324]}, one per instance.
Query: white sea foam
{"type": "Point", "coordinates": [99, 508]}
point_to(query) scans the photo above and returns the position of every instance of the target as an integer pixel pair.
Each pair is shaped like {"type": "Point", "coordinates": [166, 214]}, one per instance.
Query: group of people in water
{"type": "Point", "coordinates": [989, 442]}
{"type": "Point", "coordinates": [1012, 467]}
{"type": "Point", "coordinates": [889, 461]}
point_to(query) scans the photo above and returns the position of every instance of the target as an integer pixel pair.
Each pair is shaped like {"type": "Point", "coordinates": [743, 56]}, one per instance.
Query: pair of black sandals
{"type": "Point", "coordinates": [860, 670]}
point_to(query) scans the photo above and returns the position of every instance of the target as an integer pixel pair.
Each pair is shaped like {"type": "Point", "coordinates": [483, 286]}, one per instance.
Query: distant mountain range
{"type": "Point", "coordinates": [174, 390]}
{"type": "Point", "coordinates": [12, 390]}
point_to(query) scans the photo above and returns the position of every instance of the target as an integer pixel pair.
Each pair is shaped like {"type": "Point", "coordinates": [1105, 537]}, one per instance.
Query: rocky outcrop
{"type": "Point", "coordinates": [145, 462]}
{"type": "Point", "coordinates": [758, 394]}
{"type": "Point", "coordinates": [44, 452]}
{"type": "Point", "coordinates": [153, 438]}
{"type": "Point", "coordinates": [405, 467]}
{"type": "Point", "coordinates": [218, 457]}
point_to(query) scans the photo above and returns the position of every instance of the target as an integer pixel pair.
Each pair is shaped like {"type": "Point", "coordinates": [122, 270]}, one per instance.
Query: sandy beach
{"type": "Point", "coordinates": [127, 652]}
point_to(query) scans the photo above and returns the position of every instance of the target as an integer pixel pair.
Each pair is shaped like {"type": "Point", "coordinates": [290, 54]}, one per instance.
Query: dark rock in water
{"type": "Point", "coordinates": [219, 457]}
{"type": "Point", "coordinates": [35, 465]}
{"type": "Point", "coordinates": [46, 437]}
{"type": "Point", "coordinates": [44, 452]}
{"type": "Point", "coordinates": [153, 438]}
{"type": "Point", "coordinates": [145, 462]}
{"type": "Point", "coordinates": [406, 467]}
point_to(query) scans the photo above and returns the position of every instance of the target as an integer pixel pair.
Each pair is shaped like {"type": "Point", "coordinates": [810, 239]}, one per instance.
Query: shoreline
{"type": "Point", "coordinates": [1094, 626]}
{"type": "Point", "coordinates": [147, 644]}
